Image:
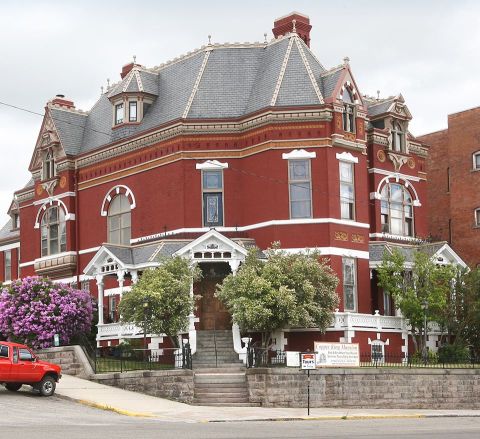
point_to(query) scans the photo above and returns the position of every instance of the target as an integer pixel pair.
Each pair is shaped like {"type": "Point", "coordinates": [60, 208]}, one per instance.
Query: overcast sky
{"type": "Point", "coordinates": [427, 50]}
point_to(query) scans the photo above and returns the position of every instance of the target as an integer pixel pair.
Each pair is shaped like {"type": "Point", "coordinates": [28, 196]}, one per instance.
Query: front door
{"type": "Point", "coordinates": [211, 312]}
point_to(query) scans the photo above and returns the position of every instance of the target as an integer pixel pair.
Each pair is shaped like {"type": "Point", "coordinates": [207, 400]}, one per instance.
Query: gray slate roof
{"type": "Point", "coordinates": [329, 80]}
{"type": "Point", "coordinates": [7, 233]}
{"type": "Point", "coordinates": [379, 107]}
{"type": "Point", "coordinates": [237, 80]}
{"type": "Point", "coordinates": [377, 250]}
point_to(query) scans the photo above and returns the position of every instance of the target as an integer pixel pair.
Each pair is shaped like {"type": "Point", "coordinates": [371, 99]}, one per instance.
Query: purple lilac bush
{"type": "Point", "coordinates": [33, 310]}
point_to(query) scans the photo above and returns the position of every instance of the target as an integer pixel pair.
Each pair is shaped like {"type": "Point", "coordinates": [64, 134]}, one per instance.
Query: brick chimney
{"type": "Point", "coordinates": [127, 68]}
{"type": "Point", "coordinates": [284, 25]}
{"type": "Point", "coordinates": [60, 100]}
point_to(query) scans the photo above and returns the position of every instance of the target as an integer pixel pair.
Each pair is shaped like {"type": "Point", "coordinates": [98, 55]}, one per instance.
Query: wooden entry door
{"type": "Point", "coordinates": [211, 312]}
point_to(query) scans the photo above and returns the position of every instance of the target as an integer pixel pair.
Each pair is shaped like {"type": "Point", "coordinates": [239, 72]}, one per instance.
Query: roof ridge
{"type": "Point", "coordinates": [281, 74]}
{"type": "Point", "coordinates": [333, 70]}
{"type": "Point", "coordinates": [309, 71]}
{"type": "Point", "coordinates": [60, 107]}
{"type": "Point", "coordinates": [197, 83]}
{"type": "Point", "coordinates": [310, 51]}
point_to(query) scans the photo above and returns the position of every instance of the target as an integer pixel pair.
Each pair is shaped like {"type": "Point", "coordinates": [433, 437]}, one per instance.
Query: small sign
{"type": "Point", "coordinates": [337, 354]}
{"type": "Point", "coordinates": [56, 340]}
{"type": "Point", "coordinates": [308, 361]}
{"type": "Point", "coordinates": [293, 358]}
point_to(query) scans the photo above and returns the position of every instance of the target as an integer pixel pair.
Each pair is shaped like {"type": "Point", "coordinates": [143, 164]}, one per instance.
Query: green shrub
{"type": "Point", "coordinates": [451, 353]}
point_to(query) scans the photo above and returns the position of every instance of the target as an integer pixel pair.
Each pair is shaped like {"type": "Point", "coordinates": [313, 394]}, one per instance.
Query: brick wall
{"type": "Point", "coordinates": [367, 388]}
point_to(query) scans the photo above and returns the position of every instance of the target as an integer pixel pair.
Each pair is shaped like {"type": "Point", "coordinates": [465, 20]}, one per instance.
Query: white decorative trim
{"type": "Point", "coordinates": [331, 251]}
{"type": "Point", "coordinates": [346, 157]}
{"type": "Point", "coordinates": [309, 70]}
{"type": "Point", "coordinates": [394, 174]}
{"type": "Point", "coordinates": [55, 197]}
{"type": "Point", "coordinates": [89, 250]}
{"type": "Point", "coordinates": [397, 178]}
{"type": "Point", "coordinates": [211, 165]}
{"type": "Point", "coordinates": [282, 73]}
{"type": "Point", "coordinates": [118, 189]}
{"type": "Point", "coordinates": [116, 291]}
{"type": "Point", "coordinates": [375, 196]}
{"type": "Point", "coordinates": [397, 237]}
{"type": "Point", "coordinates": [49, 203]}
{"type": "Point", "coordinates": [270, 223]}
{"type": "Point", "coordinates": [197, 83]}
{"type": "Point", "coordinates": [9, 246]}
{"type": "Point", "coordinates": [298, 154]}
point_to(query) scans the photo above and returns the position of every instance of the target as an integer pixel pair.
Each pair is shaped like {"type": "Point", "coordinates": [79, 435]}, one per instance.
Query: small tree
{"type": "Point", "coordinates": [160, 301]}
{"type": "Point", "coordinates": [285, 290]}
{"type": "Point", "coordinates": [425, 283]}
{"type": "Point", "coordinates": [33, 310]}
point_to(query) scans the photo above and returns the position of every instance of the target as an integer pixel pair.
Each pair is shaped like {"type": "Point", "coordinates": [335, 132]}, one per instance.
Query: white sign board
{"type": "Point", "coordinates": [337, 354]}
{"type": "Point", "coordinates": [308, 361]}
{"type": "Point", "coordinates": [293, 358]}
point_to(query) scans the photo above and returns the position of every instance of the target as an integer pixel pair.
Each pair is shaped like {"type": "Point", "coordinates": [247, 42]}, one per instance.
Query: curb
{"type": "Point", "coordinates": [321, 418]}
{"type": "Point", "coordinates": [114, 409]}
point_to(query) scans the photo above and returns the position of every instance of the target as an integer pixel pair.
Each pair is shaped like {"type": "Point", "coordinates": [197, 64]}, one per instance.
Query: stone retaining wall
{"type": "Point", "coordinates": [71, 358]}
{"type": "Point", "coordinates": [171, 384]}
{"type": "Point", "coordinates": [367, 388]}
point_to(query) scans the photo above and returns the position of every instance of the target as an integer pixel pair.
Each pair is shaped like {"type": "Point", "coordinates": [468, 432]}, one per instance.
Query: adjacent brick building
{"type": "Point", "coordinates": [453, 178]}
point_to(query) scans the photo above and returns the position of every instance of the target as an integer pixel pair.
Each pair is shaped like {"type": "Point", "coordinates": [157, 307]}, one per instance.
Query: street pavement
{"type": "Point", "coordinates": [139, 405]}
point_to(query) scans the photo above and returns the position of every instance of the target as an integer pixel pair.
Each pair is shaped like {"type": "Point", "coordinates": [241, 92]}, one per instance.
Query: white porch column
{"type": "Point", "coordinates": [192, 333]}
{"type": "Point", "coordinates": [234, 265]}
{"type": "Point", "coordinates": [134, 274]}
{"type": "Point", "coordinates": [237, 340]}
{"type": "Point", "coordinates": [100, 298]}
{"type": "Point", "coordinates": [121, 280]}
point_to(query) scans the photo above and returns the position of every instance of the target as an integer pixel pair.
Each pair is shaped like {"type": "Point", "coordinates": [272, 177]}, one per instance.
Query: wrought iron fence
{"type": "Point", "coordinates": [260, 357]}
{"type": "Point", "coordinates": [118, 359]}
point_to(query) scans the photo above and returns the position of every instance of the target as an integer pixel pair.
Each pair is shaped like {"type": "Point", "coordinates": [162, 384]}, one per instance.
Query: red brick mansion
{"type": "Point", "coordinates": [224, 148]}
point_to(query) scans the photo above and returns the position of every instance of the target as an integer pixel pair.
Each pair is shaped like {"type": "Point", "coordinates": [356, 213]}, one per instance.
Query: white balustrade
{"type": "Point", "coordinates": [347, 320]}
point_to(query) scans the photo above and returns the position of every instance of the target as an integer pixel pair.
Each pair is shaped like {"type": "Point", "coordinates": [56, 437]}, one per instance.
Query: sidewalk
{"type": "Point", "coordinates": [137, 404]}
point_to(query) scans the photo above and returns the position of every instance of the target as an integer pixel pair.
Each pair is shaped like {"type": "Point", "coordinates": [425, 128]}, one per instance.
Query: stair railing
{"type": "Point", "coordinates": [215, 341]}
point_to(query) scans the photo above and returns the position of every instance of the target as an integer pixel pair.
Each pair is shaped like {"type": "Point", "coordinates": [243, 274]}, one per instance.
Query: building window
{"type": "Point", "coordinates": [347, 191]}
{"type": "Point", "coordinates": [398, 137]}
{"type": "Point", "coordinates": [387, 304]}
{"type": "Point", "coordinates": [396, 210]}
{"type": "Point", "coordinates": [300, 187]}
{"type": "Point", "coordinates": [349, 284]}
{"type": "Point", "coordinates": [212, 193]}
{"type": "Point", "coordinates": [53, 232]}
{"type": "Point", "coordinates": [49, 165]}
{"type": "Point", "coordinates": [8, 265]}
{"type": "Point", "coordinates": [476, 160]}
{"type": "Point", "coordinates": [477, 217]}
{"type": "Point", "coordinates": [132, 111]}
{"type": "Point", "coordinates": [119, 114]}
{"type": "Point", "coordinates": [15, 221]}
{"type": "Point", "coordinates": [112, 307]}
{"type": "Point", "coordinates": [378, 352]}
{"type": "Point", "coordinates": [348, 112]}
{"type": "Point", "coordinates": [119, 221]}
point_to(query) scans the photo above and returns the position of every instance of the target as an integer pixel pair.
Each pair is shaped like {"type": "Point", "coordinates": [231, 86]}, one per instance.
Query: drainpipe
{"type": "Point", "coordinates": [77, 229]}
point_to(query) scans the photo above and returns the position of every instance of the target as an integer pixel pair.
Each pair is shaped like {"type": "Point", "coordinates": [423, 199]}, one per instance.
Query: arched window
{"type": "Point", "coordinates": [119, 220]}
{"type": "Point", "coordinates": [348, 111]}
{"type": "Point", "coordinates": [53, 231]}
{"type": "Point", "coordinates": [398, 138]}
{"type": "Point", "coordinates": [49, 166]}
{"type": "Point", "coordinates": [396, 210]}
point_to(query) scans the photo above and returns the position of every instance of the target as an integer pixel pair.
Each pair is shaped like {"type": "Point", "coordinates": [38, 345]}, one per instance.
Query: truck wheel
{"type": "Point", "coordinates": [47, 386]}
{"type": "Point", "coordinates": [13, 387]}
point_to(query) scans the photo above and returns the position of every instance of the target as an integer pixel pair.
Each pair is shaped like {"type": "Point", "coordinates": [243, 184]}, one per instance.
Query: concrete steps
{"type": "Point", "coordinates": [215, 349]}
{"type": "Point", "coordinates": [221, 388]}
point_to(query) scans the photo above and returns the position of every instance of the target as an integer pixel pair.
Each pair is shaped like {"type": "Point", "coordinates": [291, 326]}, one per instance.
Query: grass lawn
{"type": "Point", "coordinates": [112, 364]}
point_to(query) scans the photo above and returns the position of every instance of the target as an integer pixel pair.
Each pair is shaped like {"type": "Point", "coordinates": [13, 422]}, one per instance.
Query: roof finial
{"type": "Point", "coordinates": [294, 29]}
{"type": "Point", "coordinates": [378, 95]}
{"type": "Point", "coordinates": [265, 35]}
{"type": "Point", "coordinates": [108, 83]}
{"type": "Point", "coordinates": [346, 60]}
{"type": "Point", "coordinates": [101, 90]}
{"type": "Point", "coordinates": [209, 40]}
{"type": "Point", "coordinates": [134, 59]}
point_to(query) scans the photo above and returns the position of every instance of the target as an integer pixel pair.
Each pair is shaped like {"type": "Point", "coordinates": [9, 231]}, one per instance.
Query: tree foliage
{"type": "Point", "coordinates": [412, 288]}
{"type": "Point", "coordinates": [160, 301]}
{"type": "Point", "coordinates": [33, 310]}
{"type": "Point", "coordinates": [285, 290]}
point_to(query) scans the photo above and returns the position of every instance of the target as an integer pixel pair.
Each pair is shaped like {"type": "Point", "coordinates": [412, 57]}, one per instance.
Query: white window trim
{"type": "Point", "coordinates": [346, 157]}
{"type": "Point", "coordinates": [113, 192]}
{"type": "Point", "coordinates": [474, 162]}
{"type": "Point", "coordinates": [476, 216]}
{"type": "Point", "coordinates": [211, 165]}
{"type": "Point", "coordinates": [53, 202]}
{"type": "Point", "coordinates": [298, 154]}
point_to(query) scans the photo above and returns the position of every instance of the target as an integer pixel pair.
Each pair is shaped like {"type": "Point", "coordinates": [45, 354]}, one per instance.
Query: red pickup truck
{"type": "Point", "coordinates": [19, 365]}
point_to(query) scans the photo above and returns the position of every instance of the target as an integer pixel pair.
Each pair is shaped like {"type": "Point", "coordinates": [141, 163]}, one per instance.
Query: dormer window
{"type": "Point", "coordinates": [49, 165]}
{"type": "Point", "coordinates": [15, 221]}
{"type": "Point", "coordinates": [119, 113]}
{"type": "Point", "coordinates": [132, 111]}
{"type": "Point", "coordinates": [348, 111]}
{"type": "Point", "coordinates": [398, 137]}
